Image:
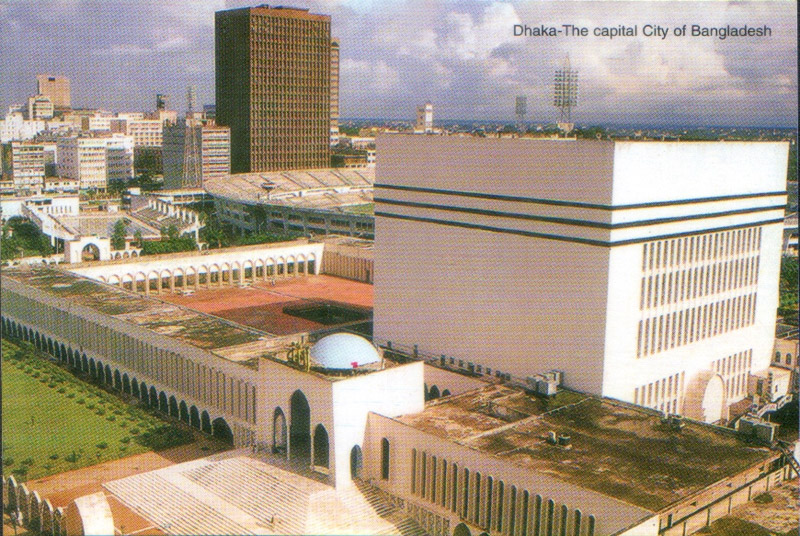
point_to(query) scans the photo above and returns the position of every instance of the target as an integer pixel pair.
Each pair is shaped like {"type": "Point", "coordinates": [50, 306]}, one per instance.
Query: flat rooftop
{"type": "Point", "coordinates": [615, 448]}
{"type": "Point", "coordinates": [237, 324]}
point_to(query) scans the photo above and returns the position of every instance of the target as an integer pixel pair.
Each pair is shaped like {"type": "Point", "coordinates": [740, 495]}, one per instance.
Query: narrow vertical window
{"type": "Point", "coordinates": [413, 470]}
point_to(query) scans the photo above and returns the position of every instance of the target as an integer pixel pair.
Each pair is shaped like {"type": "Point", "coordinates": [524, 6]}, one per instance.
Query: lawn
{"type": "Point", "coordinates": [55, 422]}
{"type": "Point", "coordinates": [366, 208]}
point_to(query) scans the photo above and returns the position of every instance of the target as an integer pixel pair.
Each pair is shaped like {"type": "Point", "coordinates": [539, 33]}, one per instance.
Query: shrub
{"type": "Point", "coordinates": [117, 412]}
{"type": "Point", "coordinates": [123, 448]}
{"type": "Point", "coordinates": [37, 374]}
{"type": "Point", "coordinates": [8, 461]}
{"type": "Point", "coordinates": [102, 445]}
{"type": "Point", "coordinates": [80, 401]}
{"type": "Point", "coordinates": [43, 380]}
{"type": "Point", "coordinates": [20, 471]}
{"type": "Point", "coordinates": [123, 424]}
{"type": "Point", "coordinates": [125, 439]}
{"type": "Point", "coordinates": [54, 456]}
{"type": "Point", "coordinates": [134, 431]}
{"type": "Point", "coordinates": [27, 461]}
{"type": "Point", "coordinates": [111, 418]}
{"type": "Point", "coordinates": [28, 370]}
{"type": "Point", "coordinates": [100, 411]}
{"type": "Point", "coordinates": [90, 405]}
{"type": "Point", "coordinates": [71, 395]}
{"type": "Point", "coordinates": [51, 385]}
{"type": "Point", "coordinates": [62, 390]}
{"type": "Point", "coordinates": [72, 458]}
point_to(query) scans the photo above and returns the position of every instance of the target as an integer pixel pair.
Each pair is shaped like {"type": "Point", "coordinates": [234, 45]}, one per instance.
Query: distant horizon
{"type": "Point", "coordinates": [462, 56]}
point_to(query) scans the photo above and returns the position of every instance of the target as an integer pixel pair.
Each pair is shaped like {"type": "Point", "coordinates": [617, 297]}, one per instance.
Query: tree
{"type": "Point", "coordinates": [118, 235]}
{"type": "Point", "coordinates": [788, 288]}
{"type": "Point", "coordinates": [137, 236]}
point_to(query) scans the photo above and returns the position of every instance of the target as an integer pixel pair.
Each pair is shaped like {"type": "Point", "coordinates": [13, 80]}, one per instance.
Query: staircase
{"type": "Point", "coordinates": [173, 510]}
{"type": "Point", "coordinates": [236, 492]}
{"type": "Point", "coordinates": [786, 451]}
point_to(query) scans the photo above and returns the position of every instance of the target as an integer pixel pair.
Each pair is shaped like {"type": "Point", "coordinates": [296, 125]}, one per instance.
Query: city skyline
{"type": "Point", "coordinates": [461, 56]}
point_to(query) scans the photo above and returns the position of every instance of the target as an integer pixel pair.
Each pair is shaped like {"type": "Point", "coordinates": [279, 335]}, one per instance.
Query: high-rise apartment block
{"type": "Point", "coordinates": [273, 87]}
{"type": "Point", "coordinates": [23, 165]}
{"type": "Point", "coordinates": [55, 87]}
{"type": "Point", "coordinates": [96, 160]}
{"type": "Point", "coordinates": [644, 271]}
{"type": "Point", "coordinates": [145, 132]}
{"type": "Point", "coordinates": [334, 92]}
{"type": "Point", "coordinates": [195, 151]}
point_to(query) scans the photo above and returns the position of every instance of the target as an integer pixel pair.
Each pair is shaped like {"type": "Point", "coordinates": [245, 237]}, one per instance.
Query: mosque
{"type": "Point", "coordinates": [332, 433]}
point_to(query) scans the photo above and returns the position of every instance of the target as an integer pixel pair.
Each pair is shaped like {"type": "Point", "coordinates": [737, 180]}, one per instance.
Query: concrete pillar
{"type": "Point", "coordinates": [147, 285]}
{"type": "Point", "coordinates": [241, 275]}
{"type": "Point", "coordinates": [172, 282]}
{"type": "Point", "coordinates": [221, 271]}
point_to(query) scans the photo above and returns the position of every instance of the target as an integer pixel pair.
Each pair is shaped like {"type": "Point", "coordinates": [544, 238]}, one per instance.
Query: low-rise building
{"type": "Point", "coordinates": [40, 107]}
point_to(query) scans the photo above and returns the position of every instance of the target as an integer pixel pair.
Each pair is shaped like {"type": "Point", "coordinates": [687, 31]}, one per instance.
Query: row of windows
{"type": "Point", "coordinates": [670, 330]}
{"type": "Point", "coordinates": [680, 285]}
{"type": "Point", "coordinates": [711, 246]}
{"type": "Point", "coordinates": [491, 504]}
{"type": "Point", "coordinates": [663, 395]}
{"type": "Point", "coordinates": [734, 370]}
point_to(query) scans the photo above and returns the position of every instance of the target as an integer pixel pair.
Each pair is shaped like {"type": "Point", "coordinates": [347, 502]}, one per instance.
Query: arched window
{"type": "Point", "coordinates": [788, 359]}
{"type": "Point", "coordinates": [385, 459]}
{"type": "Point", "coordinates": [777, 357]}
{"type": "Point", "coordinates": [321, 446]}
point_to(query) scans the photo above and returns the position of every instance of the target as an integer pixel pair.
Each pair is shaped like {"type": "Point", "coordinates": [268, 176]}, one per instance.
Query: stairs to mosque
{"type": "Point", "coordinates": [361, 509]}
{"type": "Point", "coordinates": [169, 507]}
{"type": "Point", "coordinates": [261, 491]}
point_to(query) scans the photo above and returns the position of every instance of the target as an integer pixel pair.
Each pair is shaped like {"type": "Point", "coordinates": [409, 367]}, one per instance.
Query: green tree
{"type": "Point", "coordinates": [118, 235]}
{"type": "Point", "coordinates": [137, 236]}
{"type": "Point", "coordinates": [788, 289]}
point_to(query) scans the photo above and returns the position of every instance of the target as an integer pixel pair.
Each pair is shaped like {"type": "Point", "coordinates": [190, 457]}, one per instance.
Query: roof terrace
{"type": "Point", "coordinates": [614, 448]}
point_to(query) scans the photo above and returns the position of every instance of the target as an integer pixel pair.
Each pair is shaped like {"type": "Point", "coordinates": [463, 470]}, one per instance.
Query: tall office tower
{"type": "Point", "coordinates": [644, 271]}
{"type": "Point", "coordinates": [334, 92]}
{"type": "Point", "coordinates": [55, 87]}
{"type": "Point", "coordinates": [194, 151]}
{"type": "Point", "coordinates": [424, 118]}
{"type": "Point", "coordinates": [273, 87]}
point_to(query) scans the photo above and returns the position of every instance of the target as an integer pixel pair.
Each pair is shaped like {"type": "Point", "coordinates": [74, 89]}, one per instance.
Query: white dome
{"type": "Point", "coordinates": [342, 350]}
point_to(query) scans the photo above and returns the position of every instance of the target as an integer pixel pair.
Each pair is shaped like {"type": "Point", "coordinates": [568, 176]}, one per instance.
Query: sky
{"type": "Point", "coordinates": [460, 55]}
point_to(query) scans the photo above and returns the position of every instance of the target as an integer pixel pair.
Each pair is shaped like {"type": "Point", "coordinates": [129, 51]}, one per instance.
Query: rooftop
{"type": "Point", "coordinates": [322, 189]}
{"type": "Point", "coordinates": [194, 328]}
{"type": "Point", "coordinates": [227, 339]}
{"type": "Point", "coordinates": [615, 448]}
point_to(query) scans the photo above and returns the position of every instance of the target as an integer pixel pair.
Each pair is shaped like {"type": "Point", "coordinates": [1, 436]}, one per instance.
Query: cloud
{"type": "Point", "coordinates": [396, 54]}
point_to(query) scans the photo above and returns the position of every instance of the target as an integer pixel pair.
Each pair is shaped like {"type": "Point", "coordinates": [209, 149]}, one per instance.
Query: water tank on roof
{"type": "Point", "coordinates": [344, 351]}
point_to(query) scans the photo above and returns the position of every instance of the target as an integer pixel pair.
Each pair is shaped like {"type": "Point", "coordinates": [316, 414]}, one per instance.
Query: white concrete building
{"type": "Point", "coordinates": [23, 165]}
{"type": "Point", "coordinates": [95, 161]}
{"type": "Point", "coordinates": [145, 132]}
{"type": "Point", "coordinates": [645, 271]}
{"type": "Point", "coordinates": [40, 107]}
{"type": "Point", "coordinates": [424, 124]}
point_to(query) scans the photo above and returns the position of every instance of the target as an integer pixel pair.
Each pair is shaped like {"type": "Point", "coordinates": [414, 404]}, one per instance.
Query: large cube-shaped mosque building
{"type": "Point", "coordinates": [644, 271]}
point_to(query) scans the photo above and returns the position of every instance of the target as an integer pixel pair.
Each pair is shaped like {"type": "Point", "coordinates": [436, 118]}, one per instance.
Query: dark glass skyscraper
{"type": "Point", "coordinates": [273, 87]}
